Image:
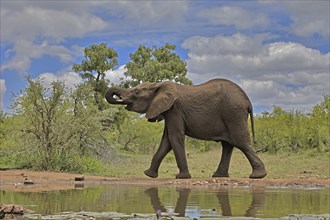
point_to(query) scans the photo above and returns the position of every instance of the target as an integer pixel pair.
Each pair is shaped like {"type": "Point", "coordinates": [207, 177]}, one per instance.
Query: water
{"type": "Point", "coordinates": [191, 202]}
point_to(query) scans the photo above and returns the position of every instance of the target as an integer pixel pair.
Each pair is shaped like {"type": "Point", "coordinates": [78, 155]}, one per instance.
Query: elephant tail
{"type": "Point", "coordinates": [252, 125]}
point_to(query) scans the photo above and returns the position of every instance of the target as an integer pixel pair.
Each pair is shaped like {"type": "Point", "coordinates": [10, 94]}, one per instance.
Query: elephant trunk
{"type": "Point", "coordinates": [114, 95]}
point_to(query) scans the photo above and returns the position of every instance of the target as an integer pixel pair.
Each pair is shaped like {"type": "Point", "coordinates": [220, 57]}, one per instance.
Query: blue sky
{"type": "Point", "coordinates": [278, 51]}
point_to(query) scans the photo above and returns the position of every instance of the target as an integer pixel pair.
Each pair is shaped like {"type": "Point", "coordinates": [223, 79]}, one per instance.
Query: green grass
{"type": "Point", "coordinates": [202, 165]}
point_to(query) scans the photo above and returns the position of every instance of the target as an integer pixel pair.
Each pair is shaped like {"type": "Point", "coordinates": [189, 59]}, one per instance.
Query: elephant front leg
{"type": "Point", "coordinates": [177, 142]}
{"type": "Point", "coordinates": [158, 157]}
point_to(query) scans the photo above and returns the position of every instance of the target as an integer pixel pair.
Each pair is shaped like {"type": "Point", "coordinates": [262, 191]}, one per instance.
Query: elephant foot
{"type": "Point", "coordinates": [183, 175]}
{"type": "Point", "coordinates": [218, 174]}
{"type": "Point", "coordinates": [151, 173]}
{"type": "Point", "coordinates": [258, 174]}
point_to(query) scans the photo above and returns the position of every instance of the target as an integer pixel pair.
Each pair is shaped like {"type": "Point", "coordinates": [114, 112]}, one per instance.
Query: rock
{"type": "Point", "coordinates": [12, 210]}
{"type": "Point", "coordinates": [28, 182]}
{"type": "Point", "coordinates": [79, 178]}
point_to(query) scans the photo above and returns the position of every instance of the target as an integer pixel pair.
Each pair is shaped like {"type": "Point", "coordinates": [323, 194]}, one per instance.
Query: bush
{"type": "Point", "coordinates": [294, 131]}
{"type": "Point", "coordinates": [54, 129]}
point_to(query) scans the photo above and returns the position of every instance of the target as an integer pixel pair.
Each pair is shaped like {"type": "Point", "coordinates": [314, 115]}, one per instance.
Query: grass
{"type": "Point", "coordinates": [202, 165]}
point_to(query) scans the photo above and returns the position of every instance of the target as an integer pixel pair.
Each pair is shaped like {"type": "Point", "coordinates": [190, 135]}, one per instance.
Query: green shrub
{"type": "Point", "coordinates": [294, 131]}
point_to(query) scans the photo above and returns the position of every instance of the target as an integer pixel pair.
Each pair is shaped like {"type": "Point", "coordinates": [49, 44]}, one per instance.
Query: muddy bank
{"type": "Point", "coordinates": [162, 216]}
{"type": "Point", "coordinates": [143, 216]}
{"type": "Point", "coordinates": [26, 180]}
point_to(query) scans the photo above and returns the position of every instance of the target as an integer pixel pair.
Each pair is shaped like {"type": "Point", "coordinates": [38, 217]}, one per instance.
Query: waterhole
{"type": "Point", "coordinates": [190, 202]}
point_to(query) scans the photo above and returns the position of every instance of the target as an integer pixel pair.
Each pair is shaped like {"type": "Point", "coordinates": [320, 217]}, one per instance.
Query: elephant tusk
{"type": "Point", "coordinates": [118, 98]}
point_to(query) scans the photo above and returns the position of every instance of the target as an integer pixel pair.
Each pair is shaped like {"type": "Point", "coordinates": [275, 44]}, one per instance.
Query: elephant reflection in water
{"type": "Point", "coordinates": [181, 203]}
{"type": "Point", "coordinates": [258, 201]}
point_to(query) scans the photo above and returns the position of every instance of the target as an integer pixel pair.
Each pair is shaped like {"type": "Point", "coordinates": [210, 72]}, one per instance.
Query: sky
{"type": "Point", "coordinates": [276, 50]}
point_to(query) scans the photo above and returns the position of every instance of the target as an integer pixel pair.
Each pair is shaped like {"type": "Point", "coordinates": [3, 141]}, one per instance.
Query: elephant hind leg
{"type": "Point", "coordinates": [240, 138]}
{"type": "Point", "coordinates": [227, 150]}
{"type": "Point", "coordinates": [258, 167]}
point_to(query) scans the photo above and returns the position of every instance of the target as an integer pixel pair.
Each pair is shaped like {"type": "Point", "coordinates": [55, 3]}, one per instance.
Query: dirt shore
{"type": "Point", "coordinates": [26, 180]}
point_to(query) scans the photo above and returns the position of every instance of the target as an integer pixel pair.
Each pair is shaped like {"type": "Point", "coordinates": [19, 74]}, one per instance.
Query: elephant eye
{"type": "Point", "coordinates": [136, 92]}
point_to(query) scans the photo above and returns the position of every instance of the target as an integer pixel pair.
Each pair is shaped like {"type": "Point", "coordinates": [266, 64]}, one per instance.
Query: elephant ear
{"type": "Point", "coordinates": [164, 98]}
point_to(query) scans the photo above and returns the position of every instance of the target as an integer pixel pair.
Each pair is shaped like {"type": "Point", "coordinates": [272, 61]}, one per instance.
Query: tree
{"type": "Point", "coordinates": [41, 108]}
{"type": "Point", "coordinates": [2, 121]}
{"type": "Point", "coordinates": [156, 65]}
{"type": "Point", "coordinates": [59, 127]}
{"type": "Point", "coordinates": [10, 138]}
{"type": "Point", "coordinates": [320, 125]}
{"type": "Point", "coordinates": [98, 59]}
{"type": "Point", "coordinates": [2, 115]}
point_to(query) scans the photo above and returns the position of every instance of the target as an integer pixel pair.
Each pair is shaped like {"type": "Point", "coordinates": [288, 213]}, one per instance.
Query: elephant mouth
{"type": "Point", "coordinates": [129, 106]}
{"type": "Point", "coordinates": [120, 100]}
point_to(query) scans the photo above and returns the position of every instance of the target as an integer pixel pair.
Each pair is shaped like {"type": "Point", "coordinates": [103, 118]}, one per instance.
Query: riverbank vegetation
{"type": "Point", "coordinates": [73, 129]}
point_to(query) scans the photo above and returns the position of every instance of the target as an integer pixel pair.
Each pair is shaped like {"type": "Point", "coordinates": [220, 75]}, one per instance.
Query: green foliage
{"type": "Point", "coordinates": [2, 126]}
{"type": "Point", "coordinates": [202, 146]}
{"type": "Point", "coordinates": [2, 116]}
{"type": "Point", "coordinates": [319, 131]}
{"type": "Point", "coordinates": [10, 137]}
{"type": "Point", "coordinates": [55, 128]}
{"type": "Point", "coordinates": [98, 59]}
{"type": "Point", "coordinates": [139, 135]}
{"type": "Point", "coordinates": [156, 65]}
{"type": "Point", "coordinates": [294, 131]}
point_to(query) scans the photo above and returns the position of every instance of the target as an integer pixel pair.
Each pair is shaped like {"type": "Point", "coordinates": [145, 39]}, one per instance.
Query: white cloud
{"type": "Point", "coordinates": [29, 25]}
{"type": "Point", "coordinates": [220, 45]}
{"type": "Point", "coordinates": [2, 92]}
{"type": "Point", "coordinates": [116, 75]}
{"type": "Point", "coordinates": [238, 54]}
{"type": "Point", "coordinates": [239, 17]}
{"type": "Point", "coordinates": [310, 17]}
{"type": "Point", "coordinates": [70, 79]}
{"type": "Point", "coordinates": [270, 93]}
{"type": "Point", "coordinates": [33, 32]}
{"type": "Point", "coordinates": [32, 22]}
{"type": "Point", "coordinates": [281, 73]}
{"type": "Point", "coordinates": [25, 51]}
{"type": "Point", "coordinates": [147, 13]}
{"type": "Point", "coordinates": [307, 17]}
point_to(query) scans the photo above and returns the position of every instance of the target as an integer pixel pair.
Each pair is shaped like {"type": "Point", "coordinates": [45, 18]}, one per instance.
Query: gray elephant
{"type": "Point", "coordinates": [216, 110]}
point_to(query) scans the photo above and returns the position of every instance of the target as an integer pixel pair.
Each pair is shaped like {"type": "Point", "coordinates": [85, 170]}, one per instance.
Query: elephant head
{"type": "Point", "coordinates": [150, 98]}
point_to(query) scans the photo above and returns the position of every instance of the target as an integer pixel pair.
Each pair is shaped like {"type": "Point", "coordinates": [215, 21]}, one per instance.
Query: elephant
{"type": "Point", "coordinates": [216, 110]}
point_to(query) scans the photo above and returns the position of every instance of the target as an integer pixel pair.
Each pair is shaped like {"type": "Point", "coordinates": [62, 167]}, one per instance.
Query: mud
{"type": "Point", "coordinates": [32, 181]}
